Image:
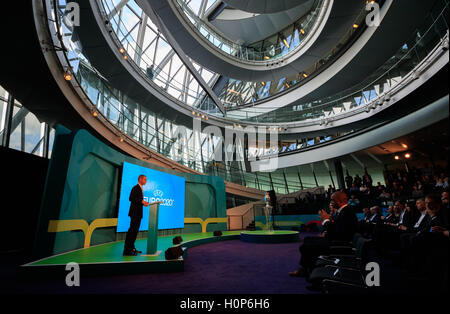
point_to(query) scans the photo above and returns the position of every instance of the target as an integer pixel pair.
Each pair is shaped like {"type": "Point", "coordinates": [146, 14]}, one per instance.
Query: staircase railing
{"type": "Point", "coordinates": [240, 217]}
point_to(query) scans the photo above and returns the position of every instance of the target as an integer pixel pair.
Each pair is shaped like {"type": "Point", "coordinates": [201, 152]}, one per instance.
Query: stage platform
{"type": "Point", "coordinates": [107, 259]}
{"type": "Point", "coordinates": [263, 236]}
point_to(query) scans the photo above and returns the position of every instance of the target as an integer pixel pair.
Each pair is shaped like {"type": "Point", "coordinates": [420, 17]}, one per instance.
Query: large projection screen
{"type": "Point", "coordinates": [160, 186]}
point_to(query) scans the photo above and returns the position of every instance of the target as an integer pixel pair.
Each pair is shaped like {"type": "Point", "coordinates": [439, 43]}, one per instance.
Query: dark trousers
{"type": "Point", "coordinates": [132, 234]}
{"type": "Point", "coordinates": [311, 249]}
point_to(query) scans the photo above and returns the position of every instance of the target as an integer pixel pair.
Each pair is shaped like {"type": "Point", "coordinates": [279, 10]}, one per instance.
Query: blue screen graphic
{"type": "Point", "coordinates": [160, 186]}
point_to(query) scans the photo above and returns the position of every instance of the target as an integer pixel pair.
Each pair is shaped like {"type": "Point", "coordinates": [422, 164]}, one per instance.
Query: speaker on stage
{"type": "Point", "coordinates": [217, 233]}
{"type": "Point", "coordinates": [173, 252]}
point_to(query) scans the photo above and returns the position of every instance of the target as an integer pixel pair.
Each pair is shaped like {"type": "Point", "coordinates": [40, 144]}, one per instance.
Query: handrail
{"type": "Point", "coordinates": [250, 54]}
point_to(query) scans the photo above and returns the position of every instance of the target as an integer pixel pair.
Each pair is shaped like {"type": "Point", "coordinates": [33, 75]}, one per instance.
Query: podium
{"type": "Point", "coordinates": [152, 234]}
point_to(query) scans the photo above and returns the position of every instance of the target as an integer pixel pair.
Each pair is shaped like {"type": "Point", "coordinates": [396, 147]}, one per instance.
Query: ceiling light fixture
{"type": "Point", "coordinates": [67, 75]}
{"type": "Point", "coordinates": [285, 42]}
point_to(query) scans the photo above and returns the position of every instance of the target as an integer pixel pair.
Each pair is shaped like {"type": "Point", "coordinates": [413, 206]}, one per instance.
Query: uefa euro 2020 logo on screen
{"type": "Point", "coordinates": [158, 196]}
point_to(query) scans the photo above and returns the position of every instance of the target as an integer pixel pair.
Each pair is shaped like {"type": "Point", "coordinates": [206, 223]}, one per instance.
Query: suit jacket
{"type": "Point", "coordinates": [423, 224]}
{"type": "Point", "coordinates": [409, 219]}
{"type": "Point", "coordinates": [391, 218]}
{"type": "Point", "coordinates": [375, 218]}
{"type": "Point", "coordinates": [432, 222]}
{"type": "Point", "coordinates": [136, 198]}
{"type": "Point", "coordinates": [343, 226]}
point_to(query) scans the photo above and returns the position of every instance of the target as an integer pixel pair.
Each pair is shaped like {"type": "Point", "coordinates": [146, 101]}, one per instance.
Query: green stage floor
{"type": "Point", "coordinates": [264, 236]}
{"type": "Point", "coordinates": [264, 232]}
{"type": "Point", "coordinates": [112, 252]}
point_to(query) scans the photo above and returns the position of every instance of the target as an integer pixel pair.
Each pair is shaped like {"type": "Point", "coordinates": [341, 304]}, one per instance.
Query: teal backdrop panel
{"type": "Point", "coordinates": [83, 183]}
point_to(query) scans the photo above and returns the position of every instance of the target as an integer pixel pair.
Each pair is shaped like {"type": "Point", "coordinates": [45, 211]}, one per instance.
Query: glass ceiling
{"type": "Point", "coordinates": [153, 53]}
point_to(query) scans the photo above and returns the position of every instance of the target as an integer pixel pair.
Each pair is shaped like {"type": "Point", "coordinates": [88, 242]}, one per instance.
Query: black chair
{"type": "Point", "coordinates": [350, 271]}
{"type": "Point", "coordinates": [355, 261]}
{"type": "Point", "coordinates": [344, 247]}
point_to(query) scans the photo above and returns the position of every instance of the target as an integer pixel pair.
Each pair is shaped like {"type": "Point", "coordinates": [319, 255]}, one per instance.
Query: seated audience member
{"type": "Point", "coordinates": [399, 211]}
{"type": "Point", "coordinates": [416, 193]}
{"type": "Point", "coordinates": [380, 187]}
{"type": "Point", "coordinates": [388, 234]}
{"type": "Point", "coordinates": [366, 227]}
{"type": "Point", "coordinates": [410, 217]}
{"type": "Point", "coordinates": [429, 247]}
{"type": "Point", "coordinates": [353, 201]}
{"type": "Point", "coordinates": [341, 227]}
{"type": "Point", "coordinates": [445, 207]}
{"type": "Point", "coordinates": [421, 220]}
{"type": "Point", "coordinates": [362, 223]}
{"type": "Point", "coordinates": [390, 217]}
{"type": "Point", "coordinates": [419, 185]}
{"type": "Point", "coordinates": [439, 183]}
{"type": "Point", "coordinates": [445, 184]}
{"type": "Point", "coordinates": [384, 195]}
{"type": "Point", "coordinates": [419, 226]}
{"type": "Point", "coordinates": [366, 212]}
{"type": "Point", "coordinates": [354, 189]}
{"type": "Point", "coordinates": [364, 189]}
{"type": "Point", "coordinates": [375, 214]}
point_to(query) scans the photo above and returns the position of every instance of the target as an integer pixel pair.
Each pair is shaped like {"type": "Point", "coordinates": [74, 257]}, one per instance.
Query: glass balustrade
{"type": "Point", "coordinates": [285, 42]}
{"type": "Point", "coordinates": [388, 76]}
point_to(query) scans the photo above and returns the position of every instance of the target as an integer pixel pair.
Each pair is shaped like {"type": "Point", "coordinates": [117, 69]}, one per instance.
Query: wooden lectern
{"type": "Point", "coordinates": [152, 235]}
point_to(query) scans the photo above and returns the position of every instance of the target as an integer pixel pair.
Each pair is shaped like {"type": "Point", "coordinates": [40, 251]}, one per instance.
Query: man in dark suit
{"type": "Point", "coordinates": [136, 210]}
{"type": "Point", "coordinates": [341, 227]}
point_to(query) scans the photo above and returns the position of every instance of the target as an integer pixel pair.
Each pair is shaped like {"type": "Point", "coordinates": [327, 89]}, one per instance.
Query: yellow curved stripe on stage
{"type": "Point", "coordinates": [88, 229]}
{"type": "Point", "coordinates": [98, 223]}
{"type": "Point", "coordinates": [81, 224]}
{"type": "Point", "coordinates": [260, 224]}
{"type": "Point", "coordinates": [204, 223]}
{"type": "Point", "coordinates": [68, 225]}
{"type": "Point", "coordinates": [281, 223]}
